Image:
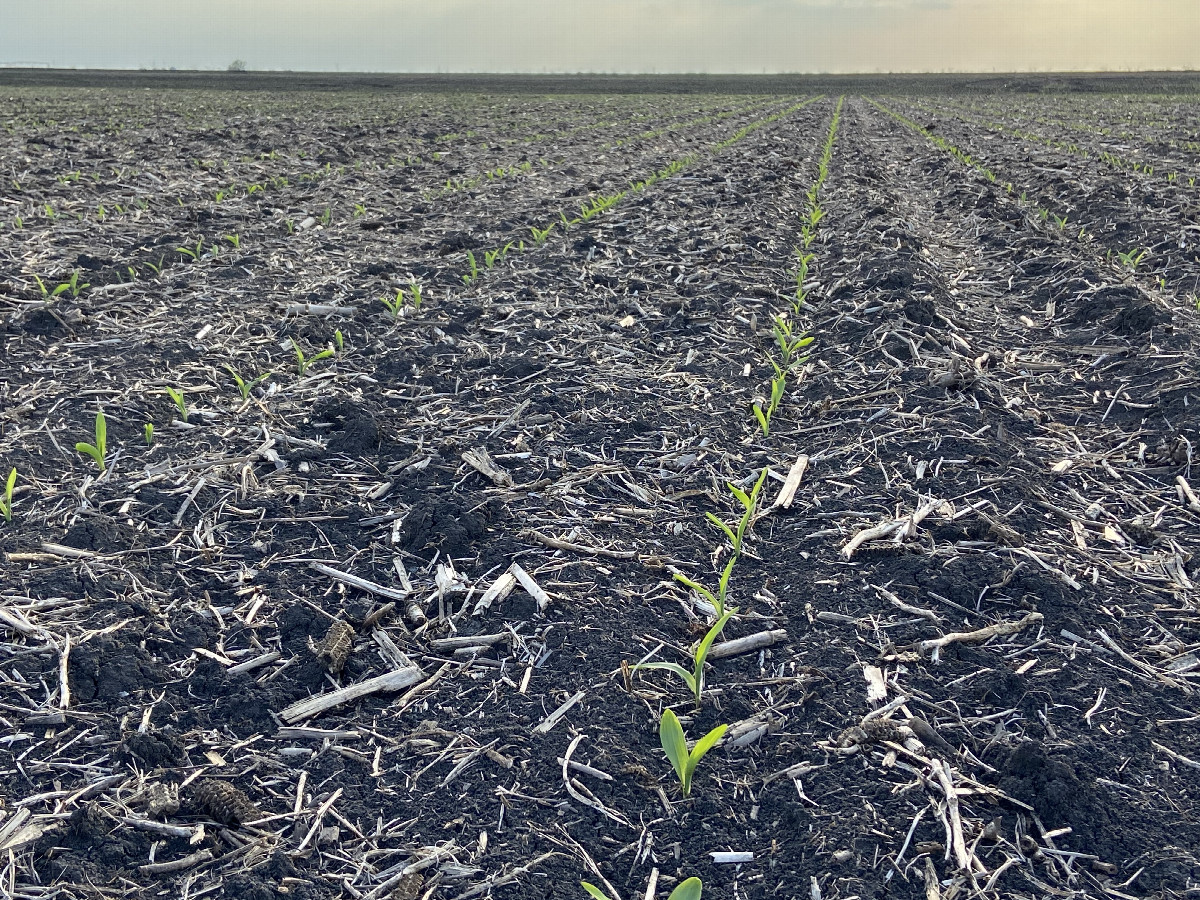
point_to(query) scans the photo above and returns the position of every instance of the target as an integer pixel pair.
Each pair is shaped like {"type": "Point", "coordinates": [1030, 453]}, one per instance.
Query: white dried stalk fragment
{"type": "Point", "coordinates": [500, 588]}
{"type": "Point", "coordinates": [1186, 495]}
{"type": "Point", "coordinates": [361, 583]}
{"type": "Point", "coordinates": [746, 644]}
{"type": "Point", "coordinates": [1003, 629]}
{"type": "Point", "coordinates": [731, 857]}
{"type": "Point", "coordinates": [551, 720]}
{"type": "Point", "coordinates": [788, 492]}
{"type": "Point", "coordinates": [314, 706]}
{"type": "Point", "coordinates": [876, 684]}
{"type": "Point", "coordinates": [479, 460]}
{"type": "Point", "coordinates": [531, 587]}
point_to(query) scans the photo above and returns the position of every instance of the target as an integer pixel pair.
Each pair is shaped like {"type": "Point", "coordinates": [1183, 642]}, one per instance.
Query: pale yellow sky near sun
{"type": "Point", "coordinates": [606, 35]}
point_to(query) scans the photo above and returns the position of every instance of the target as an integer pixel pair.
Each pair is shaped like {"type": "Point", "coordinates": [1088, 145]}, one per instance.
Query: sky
{"type": "Point", "coordinates": [717, 36]}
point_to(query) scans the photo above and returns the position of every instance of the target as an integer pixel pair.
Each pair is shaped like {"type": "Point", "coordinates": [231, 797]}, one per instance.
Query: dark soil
{"type": "Point", "coordinates": [1033, 396]}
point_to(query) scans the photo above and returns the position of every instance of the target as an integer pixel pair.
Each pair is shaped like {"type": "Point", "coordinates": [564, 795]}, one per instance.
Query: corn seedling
{"type": "Point", "coordinates": [749, 503]}
{"type": "Point", "coordinates": [764, 414]}
{"type": "Point", "coordinates": [394, 306]}
{"type": "Point", "coordinates": [6, 503]}
{"type": "Point", "coordinates": [674, 744]}
{"type": "Point", "coordinates": [541, 234]}
{"type": "Point", "coordinates": [99, 449]}
{"type": "Point", "coordinates": [790, 344]}
{"type": "Point", "coordinates": [685, 890]}
{"type": "Point", "coordinates": [490, 257]}
{"type": "Point", "coordinates": [327, 216]}
{"type": "Point", "coordinates": [148, 433]}
{"type": "Point", "coordinates": [245, 387]}
{"type": "Point", "coordinates": [339, 341]}
{"type": "Point", "coordinates": [414, 291]}
{"type": "Point", "coordinates": [473, 275]}
{"type": "Point", "coordinates": [1060, 221]}
{"type": "Point", "coordinates": [235, 239]}
{"type": "Point", "coordinates": [176, 395]}
{"type": "Point", "coordinates": [1131, 258]}
{"type": "Point", "coordinates": [303, 362]}
{"type": "Point", "coordinates": [695, 678]}
{"type": "Point", "coordinates": [718, 599]}
{"type": "Point", "coordinates": [193, 252]}
{"type": "Point", "coordinates": [359, 210]}
{"type": "Point", "coordinates": [48, 294]}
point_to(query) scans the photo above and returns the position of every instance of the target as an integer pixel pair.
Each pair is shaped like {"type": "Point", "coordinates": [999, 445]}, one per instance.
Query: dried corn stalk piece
{"type": "Point", "coordinates": [224, 803]}
{"type": "Point", "coordinates": [334, 649]}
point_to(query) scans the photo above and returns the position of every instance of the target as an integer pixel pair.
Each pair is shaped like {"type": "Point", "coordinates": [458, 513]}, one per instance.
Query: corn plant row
{"type": "Point", "coordinates": [602, 203]}
{"type": "Point", "coordinates": [454, 186]}
{"type": "Point", "coordinates": [790, 341]}
{"type": "Point", "coordinates": [1128, 260]}
{"type": "Point", "coordinates": [1112, 160]}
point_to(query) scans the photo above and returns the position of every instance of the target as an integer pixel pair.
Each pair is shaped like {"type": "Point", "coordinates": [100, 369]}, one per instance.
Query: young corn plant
{"type": "Point", "coordinates": [148, 433]}
{"type": "Point", "coordinates": [690, 889]}
{"type": "Point", "coordinates": [395, 307]}
{"type": "Point", "coordinates": [765, 413]}
{"type": "Point", "coordinates": [47, 293]}
{"type": "Point", "coordinates": [790, 343]}
{"type": "Point", "coordinates": [540, 235]}
{"type": "Point", "coordinates": [176, 395]}
{"type": "Point", "coordinates": [473, 275]}
{"type": "Point", "coordinates": [1132, 258]}
{"type": "Point", "coordinates": [99, 449]}
{"type": "Point", "coordinates": [303, 362]}
{"type": "Point", "coordinates": [6, 503]}
{"type": "Point", "coordinates": [674, 744]}
{"type": "Point", "coordinates": [749, 504]}
{"type": "Point", "coordinates": [245, 387]}
{"type": "Point", "coordinates": [718, 599]}
{"type": "Point", "coordinates": [695, 678]}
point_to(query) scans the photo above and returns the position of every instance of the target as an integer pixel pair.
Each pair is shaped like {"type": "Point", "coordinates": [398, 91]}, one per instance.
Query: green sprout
{"type": "Point", "coordinates": [414, 291]}
{"type": "Point", "coordinates": [48, 294]}
{"type": "Point", "coordinates": [235, 239]}
{"type": "Point", "coordinates": [99, 449]}
{"type": "Point", "coordinates": [749, 503]}
{"type": "Point", "coordinates": [194, 253]}
{"type": "Point", "coordinates": [148, 433]}
{"type": "Point", "coordinates": [674, 743]}
{"type": "Point", "coordinates": [695, 678]}
{"type": "Point", "coordinates": [176, 394]}
{"type": "Point", "coordinates": [245, 387]}
{"type": "Point", "coordinates": [395, 307]}
{"type": "Point", "coordinates": [6, 503]}
{"type": "Point", "coordinates": [490, 257]}
{"type": "Point", "coordinates": [540, 235]}
{"type": "Point", "coordinates": [764, 415]}
{"type": "Point", "coordinates": [473, 275]}
{"type": "Point", "coordinates": [1131, 258]}
{"type": "Point", "coordinates": [685, 890]}
{"type": "Point", "coordinates": [339, 341]}
{"type": "Point", "coordinates": [359, 210]}
{"type": "Point", "coordinates": [790, 344]}
{"type": "Point", "coordinates": [303, 362]}
{"type": "Point", "coordinates": [718, 599]}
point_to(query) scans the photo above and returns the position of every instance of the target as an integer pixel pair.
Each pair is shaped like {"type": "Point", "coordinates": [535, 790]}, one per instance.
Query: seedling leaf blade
{"type": "Point", "coordinates": [679, 670]}
{"type": "Point", "coordinates": [595, 891]}
{"type": "Point", "coordinates": [688, 890]}
{"type": "Point", "coordinates": [674, 744]}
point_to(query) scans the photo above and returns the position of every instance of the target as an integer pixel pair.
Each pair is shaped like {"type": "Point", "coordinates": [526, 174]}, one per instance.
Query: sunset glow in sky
{"type": "Point", "coordinates": [605, 35]}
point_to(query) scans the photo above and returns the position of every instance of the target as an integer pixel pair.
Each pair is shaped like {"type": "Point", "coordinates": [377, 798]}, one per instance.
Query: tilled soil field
{"type": "Point", "coordinates": [428, 417]}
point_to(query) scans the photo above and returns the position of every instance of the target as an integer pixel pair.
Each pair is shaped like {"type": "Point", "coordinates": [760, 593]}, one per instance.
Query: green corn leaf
{"type": "Point", "coordinates": [674, 744]}
{"type": "Point", "coordinates": [763, 422]}
{"type": "Point", "coordinates": [687, 890]}
{"type": "Point", "coordinates": [725, 528]}
{"type": "Point", "coordinates": [595, 891]}
{"type": "Point", "coordinates": [675, 668]}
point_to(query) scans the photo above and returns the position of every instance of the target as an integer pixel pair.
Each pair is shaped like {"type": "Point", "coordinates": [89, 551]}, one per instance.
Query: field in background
{"type": "Point", "coordinates": [433, 406]}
